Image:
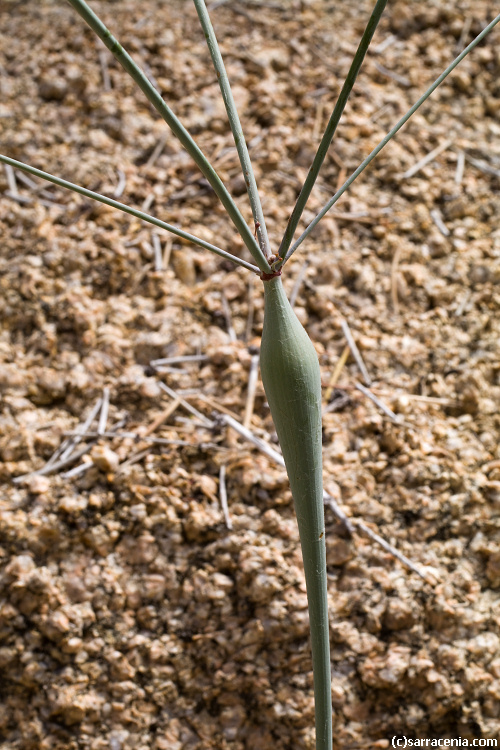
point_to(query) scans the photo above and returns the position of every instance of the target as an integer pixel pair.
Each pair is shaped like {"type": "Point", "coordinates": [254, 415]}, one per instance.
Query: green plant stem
{"type": "Point", "coordinates": [177, 128]}
{"type": "Point", "coordinates": [389, 136]}
{"type": "Point", "coordinates": [292, 382]}
{"type": "Point", "coordinates": [235, 124]}
{"type": "Point", "coordinates": [128, 210]}
{"type": "Point", "coordinates": [326, 140]}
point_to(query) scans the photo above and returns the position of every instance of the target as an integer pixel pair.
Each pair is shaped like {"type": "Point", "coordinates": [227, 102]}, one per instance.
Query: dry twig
{"type": "Point", "coordinates": [298, 283]}
{"type": "Point", "coordinates": [437, 218]}
{"type": "Point", "coordinates": [178, 360]}
{"type": "Point", "coordinates": [103, 61]}
{"type": "Point", "coordinates": [252, 385]}
{"type": "Point", "coordinates": [427, 158]}
{"type": "Point", "coordinates": [336, 372]}
{"type": "Point", "coordinates": [57, 466]}
{"type": "Point", "coordinates": [191, 409]}
{"type": "Point", "coordinates": [157, 252]}
{"type": "Point", "coordinates": [229, 320]}
{"type": "Point", "coordinates": [223, 496]}
{"type": "Point", "coordinates": [122, 181]}
{"type": "Point", "coordinates": [103, 416]}
{"type": "Point", "coordinates": [379, 403]}
{"type": "Point", "coordinates": [459, 172]}
{"type": "Point", "coordinates": [393, 551]}
{"type": "Point", "coordinates": [355, 352]}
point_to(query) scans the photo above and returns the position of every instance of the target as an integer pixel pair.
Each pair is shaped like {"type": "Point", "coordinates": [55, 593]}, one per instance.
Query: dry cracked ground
{"type": "Point", "coordinates": [134, 612]}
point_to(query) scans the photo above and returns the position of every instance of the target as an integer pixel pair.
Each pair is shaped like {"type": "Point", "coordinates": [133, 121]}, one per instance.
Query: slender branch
{"type": "Point", "coordinates": [177, 128]}
{"type": "Point", "coordinates": [331, 127]}
{"type": "Point", "coordinates": [390, 135]}
{"type": "Point", "coordinates": [235, 124]}
{"type": "Point", "coordinates": [128, 210]}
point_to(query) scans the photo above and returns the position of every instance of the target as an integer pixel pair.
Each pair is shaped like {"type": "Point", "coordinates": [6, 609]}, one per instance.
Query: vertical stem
{"type": "Point", "coordinates": [389, 136]}
{"type": "Point", "coordinates": [331, 127]}
{"type": "Point", "coordinates": [235, 124]}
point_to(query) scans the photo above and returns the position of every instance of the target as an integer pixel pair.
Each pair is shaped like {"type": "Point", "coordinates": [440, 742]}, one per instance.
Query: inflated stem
{"type": "Point", "coordinates": [291, 377]}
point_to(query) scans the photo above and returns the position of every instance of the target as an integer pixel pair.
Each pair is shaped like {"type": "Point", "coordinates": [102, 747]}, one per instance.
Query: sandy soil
{"type": "Point", "coordinates": [131, 616]}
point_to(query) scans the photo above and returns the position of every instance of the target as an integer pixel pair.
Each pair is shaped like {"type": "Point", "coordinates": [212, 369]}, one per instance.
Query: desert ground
{"type": "Point", "coordinates": [151, 588]}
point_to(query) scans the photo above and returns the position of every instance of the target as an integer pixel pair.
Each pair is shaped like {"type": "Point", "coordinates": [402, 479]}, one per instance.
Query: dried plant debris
{"type": "Point", "coordinates": [151, 588]}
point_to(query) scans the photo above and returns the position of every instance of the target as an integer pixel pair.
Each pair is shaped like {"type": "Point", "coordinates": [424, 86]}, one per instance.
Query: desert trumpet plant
{"type": "Point", "coordinates": [289, 364]}
{"type": "Point", "coordinates": [291, 377]}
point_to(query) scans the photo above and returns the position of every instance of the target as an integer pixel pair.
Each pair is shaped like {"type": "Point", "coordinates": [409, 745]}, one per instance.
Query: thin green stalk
{"type": "Point", "coordinates": [235, 124]}
{"type": "Point", "coordinates": [128, 210]}
{"type": "Point", "coordinates": [323, 147]}
{"type": "Point", "coordinates": [177, 128]}
{"type": "Point", "coordinates": [389, 136]}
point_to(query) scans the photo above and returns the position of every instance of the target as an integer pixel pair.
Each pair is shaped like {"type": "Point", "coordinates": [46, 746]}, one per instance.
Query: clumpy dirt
{"type": "Point", "coordinates": [133, 612]}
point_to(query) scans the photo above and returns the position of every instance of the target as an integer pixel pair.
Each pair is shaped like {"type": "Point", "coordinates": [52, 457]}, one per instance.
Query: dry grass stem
{"type": "Point", "coordinates": [355, 352]}
{"type": "Point", "coordinates": [298, 282]}
{"type": "Point", "coordinates": [462, 305]}
{"type": "Point", "coordinates": [214, 404]}
{"type": "Point", "coordinates": [155, 363]}
{"type": "Point", "coordinates": [103, 61]}
{"type": "Point", "coordinates": [223, 496]}
{"type": "Point", "coordinates": [253, 376]}
{"type": "Point", "coordinates": [148, 202]}
{"type": "Point", "coordinates": [121, 185]}
{"type": "Point", "coordinates": [437, 218]}
{"type": "Point", "coordinates": [134, 436]}
{"type": "Point", "coordinates": [158, 256]}
{"type": "Point", "coordinates": [11, 180]}
{"type": "Point", "coordinates": [67, 446]}
{"type": "Point", "coordinates": [393, 551]}
{"type": "Point", "coordinates": [339, 366]}
{"type": "Point", "coordinates": [258, 442]}
{"type": "Point", "coordinates": [483, 166]}
{"type": "Point", "coordinates": [162, 418]}
{"type": "Point", "coordinates": [103, 416]}
{"type": "Point", "coordinates": [157, 151]}
{"type": "Point", "coordinates": [338, 513]}
{"type": "Point", "coordinates": [167, 252]}
{"type": "Point", "coordinates": [134, 459]}
{"type": "Point", "coordinates": [191, 409]}
{"type": "Point", "coordinates": [391, 74]}
{"type": "Point", "coordinates": [379, 48]}
{"type": "Point", "coordinates": [427, 158]}
{"type": "Point", "coordinates": [383, 407]}
{"type": "Point", "coordinates": [229, 318]}
{"type": "Point", "coordinates": [459, 171]}
{"type": "Point", "coordinates": [57, 465]}
{"type": "Point", "coordinates": [250, 308]}
{"type": "Point", "coordinates": [77, 470]}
